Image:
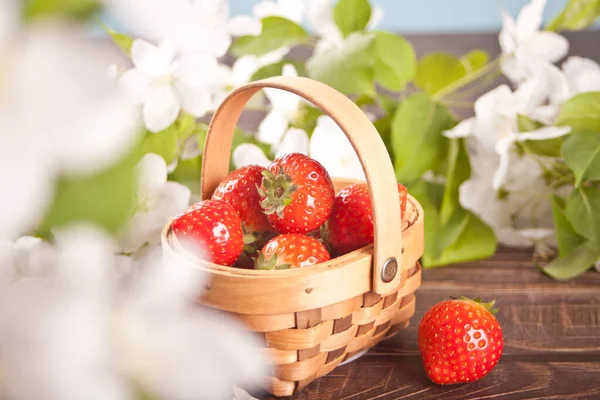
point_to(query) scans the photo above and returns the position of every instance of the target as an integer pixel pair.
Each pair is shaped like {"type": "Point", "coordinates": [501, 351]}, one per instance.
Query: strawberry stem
{"type": "Point", "coordinates": [488, 305]}
{"type": "Point", "coordinates": [276, 192]}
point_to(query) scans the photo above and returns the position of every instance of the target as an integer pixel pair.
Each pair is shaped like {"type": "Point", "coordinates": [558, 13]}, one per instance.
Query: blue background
{"type": "Point", "coordinates": [438, 16]}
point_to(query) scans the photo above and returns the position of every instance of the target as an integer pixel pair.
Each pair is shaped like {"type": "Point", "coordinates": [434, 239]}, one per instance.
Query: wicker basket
{"type": "Point", "coordinates": [314, 318]}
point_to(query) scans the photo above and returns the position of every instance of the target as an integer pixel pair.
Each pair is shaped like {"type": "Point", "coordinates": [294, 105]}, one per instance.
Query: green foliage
{"type": "Point", "coordinates": [72, 9]}
{"type": "Point", "coordinates": [573, 264]}
{"type": "Point", "coordinates": [577, 15]}
{"type": "Point", "coordinates": [437, 70]}
{"type": "Point", "coordinates": [567, 237]}
{"type": "Point", "coordinates": [352, 15]}
{"type": "Point", "coordinates": [277, 32]}
{"type": "Point", "coordinates": [458, 170]}
{"type": "Point", "coordinates": [276, 69]}
{"type": "Point", "coordinates": [548, 147]}
{"type": "Point", "coordinates": [164, 143]}
{"type": "Point", "coordinates": [582, 209]}
{"type": "Point", "coordinates": [474, 60]}
{"type": "Point", "coordinates": [104, 198]}
{"type": "Point", "coordinates": [123, 41]}
{"type": "Point", "coordinates": [417, 141]}
{"type": "Point", "coordinates": [581, 152]}
{"type": "Point", "coordinates": [187, 173]}
{"type": "Point", "coordinates": [581, 112]}
{"type": "Point", "coordinates": [395, 63]}
{"type": "Point", "coordinates": [348, 68]}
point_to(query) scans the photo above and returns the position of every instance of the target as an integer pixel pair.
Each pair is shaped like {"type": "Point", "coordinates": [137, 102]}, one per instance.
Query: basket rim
{"type": "Point", "coordinates": [336, 262]}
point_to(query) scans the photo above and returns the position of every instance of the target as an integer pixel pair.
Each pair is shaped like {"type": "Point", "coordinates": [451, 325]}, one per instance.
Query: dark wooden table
{"type": "Point", "coordinates": [551, 331]}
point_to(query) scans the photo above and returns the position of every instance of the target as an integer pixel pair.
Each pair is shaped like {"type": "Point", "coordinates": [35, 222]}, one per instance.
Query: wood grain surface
{"type": "Point", "coordinates": [551, 332]}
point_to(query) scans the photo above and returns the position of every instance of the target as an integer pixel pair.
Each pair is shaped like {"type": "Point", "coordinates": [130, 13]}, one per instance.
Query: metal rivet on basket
{"type": "Point", "coordinates": [389, 270]}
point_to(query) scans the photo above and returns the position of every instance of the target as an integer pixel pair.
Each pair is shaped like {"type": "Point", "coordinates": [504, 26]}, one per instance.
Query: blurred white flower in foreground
{"type": "Point", "coordinates": [194, 26]}
{"type": "Point", "coordinates": [494, 127]}
{"type": "Point", "coordinates": [78, 333]}
{"type": "Point", "coordinates": [164, 85]}
{"type": "Point", "coordinates": [157, 200]}
{"type": "Point", "coordinates": [320, 17]}
{"type": "Point", "coordinates": [524, 45]}
{"type": "Point", "coordinates": [58, 116]}
{"type": "Point", "coordinates": [293, 10]}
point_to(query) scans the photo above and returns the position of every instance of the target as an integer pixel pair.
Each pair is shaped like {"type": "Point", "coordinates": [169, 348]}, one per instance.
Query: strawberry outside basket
{"type": "Point", "coordinates": [313, 318]}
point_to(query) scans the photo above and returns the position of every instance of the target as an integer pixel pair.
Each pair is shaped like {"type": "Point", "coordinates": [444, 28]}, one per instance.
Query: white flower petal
{"type": "Point", "coordinates": [294, 141]}
{"type": "Point", "coordinates": [536, 234]}
{"type": "Point", "coordinates": [545, 114]}
{"type": "Point", "coordinates": [506, 37]}
{"type": "Point", "coordinates": [249, 154]}
{"type": "Point", "coordinates": [173, 199]}
{"type": "Point", "coordinates": [194, 100]}
{"type": "Point", "coordinates": [151, 173]}
{"type": "Point", "coordinates": [503, 147]}
{"type": "Point", "coordinates": [548, 46]}
{"type": "Point", "coordinates": [487, 105]}
{"type": "Point", "coordinates": [142, 228]}
{"type": "Point", "coordinates": [376, 18]}
{"type": "Point", "coordinates": [272, 127]}
{"type": "Point", "coordinates": [530, 19]}
{"type": "Point", "coordinates": [583, 74]}
{"type": "Point", "coordinates": [289, 9]}
{"type": "Point", "coordinates": [161, 109]}
{"type": "Point", "coordinates": [463, 129]}
{"type": "Point", "coordinates": [135, 85]}
{"type": "Point", "coordinates": [320, 17]}
{"type": "Point", "coordinates": [242, 69]}
{"type": "Point", "coordinates": [196, 69]}
{"type": "Point", "coordinates": [244, 25]}
{"type": "Point", "coordinates": [547, 132]}
{"type": "Point", "coordinates": [151, 59]}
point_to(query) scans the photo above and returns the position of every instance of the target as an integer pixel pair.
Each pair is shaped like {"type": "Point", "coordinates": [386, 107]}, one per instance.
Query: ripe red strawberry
{"type": "Point", "coordinates": [239, 189]}
{"type": "Point", "coordinates": [291, 251]}
{"type": "Point", "coordinates": [460, 340]}
{"type": "Point", "coordinates": [350, 224]}
{"type": "Point", "coordinates": [297, 194]}
{"type": "Point", "coordinates": [213, 228]}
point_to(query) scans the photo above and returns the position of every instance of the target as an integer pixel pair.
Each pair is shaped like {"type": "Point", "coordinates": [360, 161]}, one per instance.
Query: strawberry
{"type": "Point", "coordinates": [350, 224]}
{"type": "Point", "coordinates": [460, 340]}
{"type": "Point", "coordinates": [239, 189]}
{"type": "Point", "coordinates": [296, 194]}
{"type": "Point", "coordinates": [213, 229]}
{"type": "Point", "coordinates": [291, 251]}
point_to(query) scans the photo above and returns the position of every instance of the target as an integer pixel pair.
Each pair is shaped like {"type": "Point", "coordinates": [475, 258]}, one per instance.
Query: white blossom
{"type": "Point", "coordinates": [77, 332]}
{"type": "Point", "coordinates": [194, 26]}
{"type": "Point", "coordinates": [494, 127]}
{"type": "Point", "coordinates": [157, 201]}
{"type": "Point", "coordinates": [58, 116]}
{"type": "Point", "coordinates": [582, 75]}
{"type": "Point", "coordinates": [164, 85]}
{"type": "Point", "coordinates": [330, 146]}
{"type": "Point", "coordinates": [524, 46]}
{"type": "Point", "coordinates": [293, 10]}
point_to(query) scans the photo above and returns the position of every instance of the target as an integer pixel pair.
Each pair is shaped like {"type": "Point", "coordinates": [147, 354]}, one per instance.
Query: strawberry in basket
{"type": "Point", "coordinates": [350, 224]}
{"type": "Point", "coordinates": [296, 194]}
{"type": "Point", "coordinates": [291, 251]}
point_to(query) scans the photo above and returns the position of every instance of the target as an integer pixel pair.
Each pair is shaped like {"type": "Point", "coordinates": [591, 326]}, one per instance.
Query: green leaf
{"type": "Point", "coordinates": [583, 211]}
{"type": "Point", "coordinates": [475, 241]}
{"type": "Point", "coordinates": [581, 152]}
{"type": "Point", "coordinates": [347, 68]}
{"type": "Point", "coordinates": [581, 112]}
{"type": "Point", "coordinates": [526, 124]}
{"type": "Point", "coordinates": [306, 118]}
{"type": "Point", "coordinates": [429, 195]}
{"type": "Point", "coordinates": [384, 127]}
{"type": "Point", "coordinates": [186, 125]}
{"type": "Point", "coordinates": [474, 60]}
{"type": "Point", "coordinates": [573, 264]}
{"type": "Point", "coordinates": [72, 9]}
{"type": "Point", "coordinates": [105, 198]}
{"type": "Point", "coordinates": [437, 70]}
{"type": "Point", "coordinates": [566, 237]}
{"type": "Point", "coordinates": [458, 170]}
{"type": "Point", "coordinates": [188, 173]}
{"type": "Point", "coordinates": [277, 32]}
{"type": "Point", "coordinates": [395, 63]}
{"type": "Point", "coordinates": [123, 41]}
{"type": "Point", "coordinates": [577, 14]}
{"type": "Point", "coordinates": [548, 148]}
{"type": "Point", "coordinates": [352, 15]}
{"type": "Point", "coordinates": [389, 104]}
{"type": "Point", "coordinates": [163, 143]}
{"type": "Point", "coordinates": [417, 141]}
{"type": "Point", "coordinates": [276, 69]}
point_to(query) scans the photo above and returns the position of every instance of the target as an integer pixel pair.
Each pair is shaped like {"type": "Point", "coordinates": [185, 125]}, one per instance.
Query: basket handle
{"type": "Point", "coordinates": [366, 141]}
